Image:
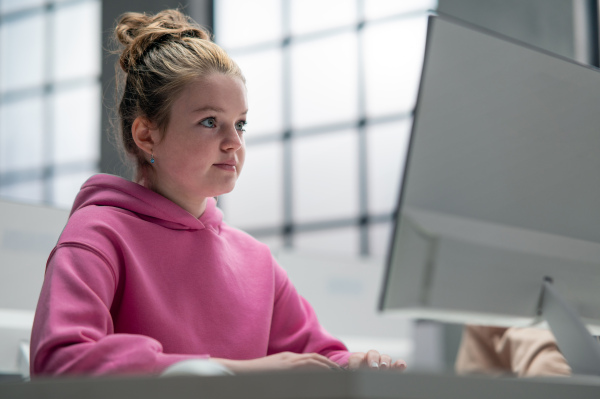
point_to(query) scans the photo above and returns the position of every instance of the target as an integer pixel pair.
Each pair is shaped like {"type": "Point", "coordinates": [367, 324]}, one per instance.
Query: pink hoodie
{"type": "Point", "coordinates": [136, 283]}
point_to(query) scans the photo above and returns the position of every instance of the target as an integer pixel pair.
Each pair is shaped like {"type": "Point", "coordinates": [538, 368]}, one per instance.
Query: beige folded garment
{"type": "Point", "coordinates": [525, 352]}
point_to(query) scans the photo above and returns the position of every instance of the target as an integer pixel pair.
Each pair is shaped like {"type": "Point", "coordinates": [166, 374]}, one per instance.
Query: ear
{"type": "Point", "coordinates": [145, 134]}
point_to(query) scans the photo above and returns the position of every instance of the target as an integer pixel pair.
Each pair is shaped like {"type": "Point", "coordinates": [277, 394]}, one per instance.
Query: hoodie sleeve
{"type": "Point", "coordinates": [295, 327]}
{"type": "Point", "coordinates": [73, 330]}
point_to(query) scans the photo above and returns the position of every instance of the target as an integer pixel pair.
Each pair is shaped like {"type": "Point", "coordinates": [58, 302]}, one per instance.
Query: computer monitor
{"type": "Point", "coordinates": [501, 185]}
{"type": "Point", "coordinates": [27, 235]}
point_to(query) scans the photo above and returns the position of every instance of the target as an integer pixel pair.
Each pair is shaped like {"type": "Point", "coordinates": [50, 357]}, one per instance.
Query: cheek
{"type": "Point", "coordinates": [196, 153]}
{"type": "Point", "coordinates": [186, 162]}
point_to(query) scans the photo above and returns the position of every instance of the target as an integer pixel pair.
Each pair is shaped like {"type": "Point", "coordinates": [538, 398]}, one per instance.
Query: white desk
{"type": "Point", "coordinates": [307, 385]}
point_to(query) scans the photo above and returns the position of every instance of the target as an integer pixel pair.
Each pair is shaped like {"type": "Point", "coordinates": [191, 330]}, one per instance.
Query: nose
{"type": "Point", "coordinates": [232, 140]}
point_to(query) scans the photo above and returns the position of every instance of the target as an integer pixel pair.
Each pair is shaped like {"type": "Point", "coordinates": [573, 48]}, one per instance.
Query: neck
{"type": "Point", "coordinates": [195, 206]}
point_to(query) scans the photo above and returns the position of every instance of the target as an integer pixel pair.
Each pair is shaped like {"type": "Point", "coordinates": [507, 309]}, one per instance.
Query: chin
{"type": "Point", "coordinates": [224, 190]}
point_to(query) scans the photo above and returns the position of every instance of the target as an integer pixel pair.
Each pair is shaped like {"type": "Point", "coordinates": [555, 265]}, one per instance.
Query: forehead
{"type": "Point", "coordinates": [216, 90]}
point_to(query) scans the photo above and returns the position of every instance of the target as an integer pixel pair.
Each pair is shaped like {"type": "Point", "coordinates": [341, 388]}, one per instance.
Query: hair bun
{"type": "Point", "coordinates": [140, 32]}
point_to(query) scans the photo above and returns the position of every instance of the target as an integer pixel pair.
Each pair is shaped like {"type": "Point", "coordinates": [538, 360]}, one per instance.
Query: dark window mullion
{"type": "Point", "coordinates": [48, 114]}
{"type": "Point", "coordinates": [363, 165]}
{"type": "Point", "coordinates": [287, 184]}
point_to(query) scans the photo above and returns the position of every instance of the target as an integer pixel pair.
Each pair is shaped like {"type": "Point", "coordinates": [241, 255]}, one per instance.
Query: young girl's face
{"type": "Point", "coordinates": [202, 152]}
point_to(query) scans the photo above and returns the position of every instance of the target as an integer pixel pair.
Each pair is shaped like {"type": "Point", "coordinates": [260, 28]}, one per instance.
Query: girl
{"type": "Point", "coordinates": [146, 274]}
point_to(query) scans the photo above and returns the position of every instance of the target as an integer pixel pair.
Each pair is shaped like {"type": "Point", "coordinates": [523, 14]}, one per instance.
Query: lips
{"type": "Point", "coordinates": [227, 165]}
{"type": "Point", "coordinates": [231, 162]}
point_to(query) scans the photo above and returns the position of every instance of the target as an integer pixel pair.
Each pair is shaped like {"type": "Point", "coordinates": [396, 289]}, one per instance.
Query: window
{"type": "Point", "coordinates": [331, 98]}
{"type": "Point", "coordinates": [49, 98]}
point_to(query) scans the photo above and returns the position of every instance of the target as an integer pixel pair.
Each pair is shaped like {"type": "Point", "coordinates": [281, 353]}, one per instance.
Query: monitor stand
{"type": "Point", "coordinates": [575, 342]}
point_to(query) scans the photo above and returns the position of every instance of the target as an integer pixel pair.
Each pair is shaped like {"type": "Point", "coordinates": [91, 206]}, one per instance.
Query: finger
{"type": "Point", "coordinates": [373, 358]}
{"type": "Point", "coordinates": [356, 360]}
{"type": "Point", "coordinates": [399, 365]}
{"type": "Point", "coordinates": [314, 364]}
{"type": "Point", "coordinates": [324, 360]}
{"type": "Point", "coordinates": [385, 362]}
{"type": "Point", "coordinates": [330, 363]}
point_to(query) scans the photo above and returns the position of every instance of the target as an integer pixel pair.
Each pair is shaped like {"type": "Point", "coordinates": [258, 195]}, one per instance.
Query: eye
{"type": "Point", "coordinates": [241, 125]}
{"type": "Point", "coordinates": [208, 122]}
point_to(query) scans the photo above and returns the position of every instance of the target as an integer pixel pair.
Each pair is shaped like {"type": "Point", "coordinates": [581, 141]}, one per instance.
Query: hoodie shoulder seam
{"type": "Point", "coordinates": [95, 251]}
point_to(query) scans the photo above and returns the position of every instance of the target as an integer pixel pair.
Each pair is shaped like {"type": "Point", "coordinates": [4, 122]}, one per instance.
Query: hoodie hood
{"type": "Point", "coordinates": [114, 191]}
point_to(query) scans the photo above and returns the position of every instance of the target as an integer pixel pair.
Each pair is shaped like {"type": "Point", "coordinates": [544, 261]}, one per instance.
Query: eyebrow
{"type": "Point", "coordinates": [208, 108]}
{"type": "Point", "coordinates": [215, 109]}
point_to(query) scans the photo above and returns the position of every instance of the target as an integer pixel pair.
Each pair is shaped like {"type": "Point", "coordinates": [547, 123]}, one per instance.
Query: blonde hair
{"type": "Point", "coordinates": [162, 53]}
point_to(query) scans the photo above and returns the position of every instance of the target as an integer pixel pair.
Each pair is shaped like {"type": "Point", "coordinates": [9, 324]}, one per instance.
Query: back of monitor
{"type": "Point", "coordinates": [501, 185]}
{"type": "Point", "coordinates": [27, 235]}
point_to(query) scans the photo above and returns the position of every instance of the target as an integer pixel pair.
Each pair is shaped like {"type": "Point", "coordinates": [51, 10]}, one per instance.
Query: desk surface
{"type": "Point", "coordinates": [307, 385]}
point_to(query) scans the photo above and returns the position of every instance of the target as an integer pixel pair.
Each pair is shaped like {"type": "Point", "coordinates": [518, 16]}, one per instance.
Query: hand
{"type": "Point", "coordinates": [280, 361]}
{"type": "Point", "coordinates": [374, 360]}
